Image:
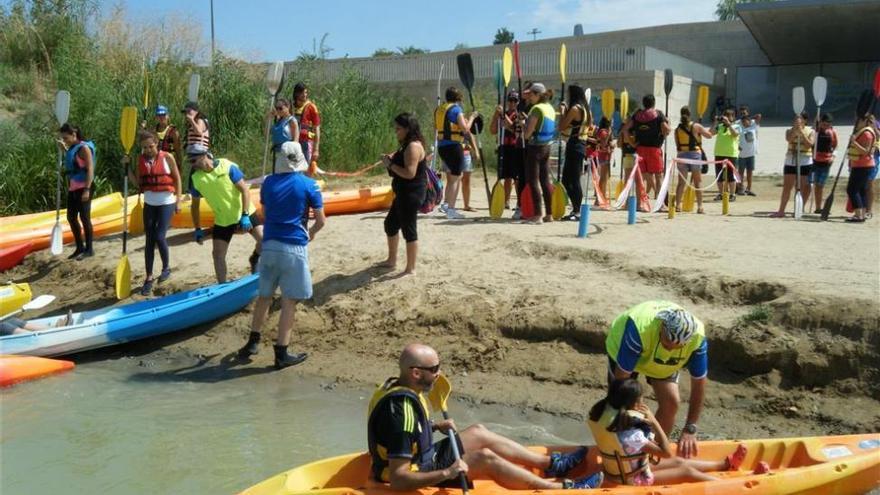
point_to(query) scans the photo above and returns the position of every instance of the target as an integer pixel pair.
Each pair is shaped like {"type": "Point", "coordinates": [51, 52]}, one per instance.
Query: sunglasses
{"type": "Point", "coordinates": [433, 369]}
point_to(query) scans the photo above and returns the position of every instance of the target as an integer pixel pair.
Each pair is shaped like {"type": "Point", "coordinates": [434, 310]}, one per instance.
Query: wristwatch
{"type": "Point", "coordinates": [690, 428]}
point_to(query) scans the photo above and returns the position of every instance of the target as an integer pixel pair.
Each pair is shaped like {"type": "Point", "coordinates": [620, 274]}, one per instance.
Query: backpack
{"type": "Point", "coordinates": [434, 193]}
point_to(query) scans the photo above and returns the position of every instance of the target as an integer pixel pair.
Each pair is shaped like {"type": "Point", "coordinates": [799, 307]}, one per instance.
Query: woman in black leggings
{"type": "Point", "coordinates": [861, 162]}
{"type": "Point", "coordinates": [575, 123]}
{"type": "Point", "coordinates": [408, 169]}
{"type": "Point", "coordinates": [79, 164]}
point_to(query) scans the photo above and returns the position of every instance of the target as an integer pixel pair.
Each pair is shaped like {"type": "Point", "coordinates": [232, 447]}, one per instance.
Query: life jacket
{"type": "Point", "coordinates": [415, 414]}
{"type": "Point", "coordinates": [193, 138]}
{"type": "Point", "coordinates": [686, 140]}
{"type": "Point", "coordinates": [73, 170]}
{"type": "Point", "coordinates": [649, 133]}
{"type": "Point", "coordinates": [617, 464]}
{"type": "Point", "coordinates": [449, 131]}
{"type": "Point", "coordinates": [855, 154]}
{"type": "Point", "coordinates": [281, 132]}
{"type": "Point", "coordinates": [803, 147]}
{"type": "Point", "coordinates": [546, 128]}
{"type": "Point", "coordinates": [306, 129]}
{"type": "Point", "coordinates": [157, 178]}
{"type": "Point", "coordinates": [577, 127]}
{"type": "Point", "coordinates": [656, 361]}
{"type": "Point", "coordinates": [166, 138]}
{"type": "Point", "coordinates": [627, 146]}
{"type": "Point", "coordinates": [220, 193]}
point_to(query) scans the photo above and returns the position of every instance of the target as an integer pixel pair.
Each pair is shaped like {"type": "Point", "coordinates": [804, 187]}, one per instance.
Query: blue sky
{"type": "Point", "coordinates": [260, 30]}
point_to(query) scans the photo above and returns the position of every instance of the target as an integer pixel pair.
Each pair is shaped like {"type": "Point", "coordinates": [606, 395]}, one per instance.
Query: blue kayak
{"type": "Point", "coordinates": [115, 325]}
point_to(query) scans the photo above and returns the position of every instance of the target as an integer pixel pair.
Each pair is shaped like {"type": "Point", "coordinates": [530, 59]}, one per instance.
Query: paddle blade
{"type": "Point", "coordinates": [820, 90]}
{"type": "Point", "coordinates": [465, 70]}
{"type": "Point", "coordinates": [440, 393]}
{"type": "Point", "coordinates": [39, 302]}
{"type": "Point", "coordinates": [527, 204]}
{"type": "Point", "coordinates": [608, 103]}
{"type": "Point", "coordinates": [798, 99]}
{"type": "Point", "coordinates": [588, 96]}
{"type": "Point", "coordinates": [516, 59]}
{"type": "Point", "coordinates": [57, 244]}
{"type": "Point", "coordinates": [146, 89]}
{"type": "Point", "coordinates": [667, 81]}
{"type": "Point", "coordinates": [562, 57]}
{"type": "Point", "coordinates": [128, 127]}
{"type": "Point", "coordinates": [624, 103]}
{"type": "Point", "coordinates": [558, 201]}
{"type": "Point", "coordinates": [688, 201]}
{"type": "Point", "coordinates": [192, 92]}
{"type": "Point", "coordinates": [507, 65]}
{"type": "Point", "coordinates": [62, 106]}
{"type": "Point", "coordinates": [123, 278]}
{"type": "Point", "coordinates": [702, 100]}
{"type": "Point", "coordinates": [496, 206]}
{"type": "Point", "coordinates": [798, 205]}
{"type": "Point", "coordinates": [273, 77]}
{"type": "Point", "coordinates": [499, 79]}
{"type": "Point", "coordinates": [136, 219]}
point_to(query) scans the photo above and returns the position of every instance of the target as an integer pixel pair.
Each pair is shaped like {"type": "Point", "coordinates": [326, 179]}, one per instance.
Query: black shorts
{"type": "Point", "coordinates": [719, 167]}
{"type": "Point", "coordinates": [453, 158]}
{"type": "Point", "coordinates": [9, 325]}
{"type": "Point", "coordinates": [445, 457]}
{"type": "Point", "coordinates": [225, 233]}
{"type": "Point", "coordinates": [512, 164]}
{"type": "Point", "coordinates": [792, 170]}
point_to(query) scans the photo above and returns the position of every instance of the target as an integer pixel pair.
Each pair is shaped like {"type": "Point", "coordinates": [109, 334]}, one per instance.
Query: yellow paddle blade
{"type": "Point", "coordinates": [128, 127]}
{"type": "Point", "coordinates": [136, 218]}
{"type": "Point", "coordinates": [608, 103]}
{"type": "Point", "coordinates": [496, 207]}
{"type": "Point", "coordinates": [123, 278]}
{"type": "Point", "coordinates": [558, 201]}
{"type": "Point", "coordinates": [618, 189]}
{"type": "Point", "coordinates": [687, 202]}
{"type": "Point", "coordinates": [562, 54]}
{"type": "Point", "coordinates": [624, 103]}
{"type": "Point", "coordinates": [507, 65]}
{"type": "Point", "coordinates": [702, 100]}
{"type": "Point", "coordinates": [439, 393]}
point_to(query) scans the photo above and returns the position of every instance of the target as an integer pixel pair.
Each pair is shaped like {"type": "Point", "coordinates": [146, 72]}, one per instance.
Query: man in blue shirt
{"type": "Point", "coordinates": [287, 197]}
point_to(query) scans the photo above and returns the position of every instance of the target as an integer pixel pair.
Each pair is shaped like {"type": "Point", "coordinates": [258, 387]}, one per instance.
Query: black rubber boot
{"type": "Point", "coordinates": [252, 346]}
{"type": "Point", "coordinates": [254, 261]}
{"type": "Point", "coordinates": [283, 359]}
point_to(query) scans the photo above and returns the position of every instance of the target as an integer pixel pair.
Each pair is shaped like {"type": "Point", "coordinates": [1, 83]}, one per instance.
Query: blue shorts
{"type": "Point", "coordinates": [747, 163]}
{"type": "Point", "coordinates": [287, 266]}
{"type": "Point", "coordinates": [873, 173]}
{"type": "Point", "coordinates": [819, 173]}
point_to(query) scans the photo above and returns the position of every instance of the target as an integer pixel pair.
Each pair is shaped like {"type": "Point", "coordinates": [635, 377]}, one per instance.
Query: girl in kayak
{"type": "Point", "coordinates": [157, 176]}
{"type": "Point", "coordinates": [628, 435]}
{"type": "Point", "coordinates": [79, 163]}
{"type": "Point", "coordinates": [284, 128]}
{"type": "Point", "coordinates": [576, 118]}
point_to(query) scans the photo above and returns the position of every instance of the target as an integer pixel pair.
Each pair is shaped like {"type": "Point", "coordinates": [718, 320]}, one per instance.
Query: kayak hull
{"type": "Point", "coordinates": [105, 205]}
{"type": "Point", "coordinates": [40, 237]}
{"type": "Point", "coordinates": [15, 369]}
{"type": "Point", "coordinates": [13, 297]}
{"type": "Point", "coordinates": [840, 465]}
{"type": "Point", "coordinates": [13, 255]}
{"type": "Point", "coordinates": [126, 323]}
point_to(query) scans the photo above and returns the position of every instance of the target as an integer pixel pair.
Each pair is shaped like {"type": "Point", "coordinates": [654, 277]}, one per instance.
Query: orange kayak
{"type": "Point", "coordinates": [840, 465]}
{"type": "Point", "coordinates": [40, 236]}
{"type": "Point", "coordinates": [12, 255]}
{"type": "Point", "coordinates": [14, 369]}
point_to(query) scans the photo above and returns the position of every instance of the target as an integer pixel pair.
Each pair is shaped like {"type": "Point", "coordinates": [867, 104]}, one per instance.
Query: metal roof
{"type": "Point", "coordinates": [814, 31]}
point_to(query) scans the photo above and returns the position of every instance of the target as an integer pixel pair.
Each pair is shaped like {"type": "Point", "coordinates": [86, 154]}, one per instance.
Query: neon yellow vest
{"type": "Point", "coordinates": [219, 191]}
{"type": "Point", "coordinates": [615, 461]}
{"type": "Point", "coordinates": [656, 361]}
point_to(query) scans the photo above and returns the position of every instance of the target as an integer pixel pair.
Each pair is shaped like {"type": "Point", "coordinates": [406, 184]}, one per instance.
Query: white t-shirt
{"type": "Point", "coordinates": [748, 141]}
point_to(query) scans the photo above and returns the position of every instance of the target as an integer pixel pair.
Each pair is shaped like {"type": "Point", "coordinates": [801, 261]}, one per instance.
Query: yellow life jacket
{"type": "Point", "coordinates": [854, 153]}
{"type": "Point", "coordinates": [448, 131]}
{"type": "Point", "coordinates": [805, 148]}
{"type": "Point", "coordinates": [616, 463]}
{"type": "Point", "coordinates": [686, 140]}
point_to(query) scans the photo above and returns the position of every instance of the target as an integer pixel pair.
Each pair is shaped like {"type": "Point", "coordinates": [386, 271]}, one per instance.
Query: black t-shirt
{"type": "Point", "coordinates": [396, 427]}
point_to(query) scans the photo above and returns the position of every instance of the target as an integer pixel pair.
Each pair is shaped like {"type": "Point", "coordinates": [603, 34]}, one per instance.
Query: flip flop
{"type": "Point", "coordinates": [735, 460]}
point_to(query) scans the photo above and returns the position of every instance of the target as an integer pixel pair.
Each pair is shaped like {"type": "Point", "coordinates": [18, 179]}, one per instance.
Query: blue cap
{"type": "Point", "coordinates": [161, 110]}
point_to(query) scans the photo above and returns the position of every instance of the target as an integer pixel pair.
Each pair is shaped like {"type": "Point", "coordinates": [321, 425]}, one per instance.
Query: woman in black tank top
{"type": "Point", "coordinates": [407, 166]}
{"type": "Point", "coordinates": [575, 149]}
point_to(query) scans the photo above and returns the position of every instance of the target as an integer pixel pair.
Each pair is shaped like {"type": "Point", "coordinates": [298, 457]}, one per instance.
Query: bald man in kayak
{"type": "Point", "coordinates": [657, 339]}
{"type": "Point", "coordinates": [404, 453]}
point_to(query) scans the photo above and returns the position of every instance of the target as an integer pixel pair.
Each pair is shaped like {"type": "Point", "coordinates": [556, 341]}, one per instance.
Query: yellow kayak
{"type": "Point", "coordinates": [105, 205]}
{"type": "Point", "coordinates": [839, 465]}
{"type": "Point", "coordinates": [13, 297]}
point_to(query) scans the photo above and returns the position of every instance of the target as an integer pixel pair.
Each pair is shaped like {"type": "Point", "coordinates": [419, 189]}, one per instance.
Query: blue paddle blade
{"type": "Point", "coordinates": [499, 78]}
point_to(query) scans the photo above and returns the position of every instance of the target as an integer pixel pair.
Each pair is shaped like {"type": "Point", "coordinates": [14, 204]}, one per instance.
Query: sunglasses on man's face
{"type": "Point", "coordinates": [433, 369]}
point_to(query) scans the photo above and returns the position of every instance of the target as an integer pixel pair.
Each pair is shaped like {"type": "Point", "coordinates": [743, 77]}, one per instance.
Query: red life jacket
{"type": "Point", "coordinates": [157, 178]}
{"type": "Point", "coordinates": [511, 138]}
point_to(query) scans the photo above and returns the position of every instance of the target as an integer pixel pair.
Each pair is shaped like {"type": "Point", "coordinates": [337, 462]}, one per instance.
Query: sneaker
{"type": "Point", "coordinates": [732, 198]}
{"type": "Point", "coordinates": [147, 288]}
{"type": "Point", "coordinates": [561, 464]}
{"type": "Point", "coordinates": [443, 207]}
{"type": "Point", "coordinates": [516, 214]}
{"type": "Point", "coordinates": [254, 261]}
{"type": "Point", "coordinates": [165, 275]}
{"type": "Point", "coordinates": [717, 197]}
{"type": "Point", "coordinates": [453, 214]}
{"type": "Point", "coordinates": [594, 481]}
{"type": "Point", "coordinates": [750, 193]}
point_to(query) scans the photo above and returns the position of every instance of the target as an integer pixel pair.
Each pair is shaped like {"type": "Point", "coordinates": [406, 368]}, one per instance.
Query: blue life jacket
{"type": "Point", "coordinates": [74, 172]}
{"type": "Point", "coordinates": [546, 128]}
{"type": "Point", "coordinates": [281, 132]}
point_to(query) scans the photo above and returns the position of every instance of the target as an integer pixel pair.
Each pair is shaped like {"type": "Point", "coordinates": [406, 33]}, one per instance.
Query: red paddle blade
{"type": "Point", "coordinates": [516, 59]}
{"type": "Point", "coordinates": [876, 82]}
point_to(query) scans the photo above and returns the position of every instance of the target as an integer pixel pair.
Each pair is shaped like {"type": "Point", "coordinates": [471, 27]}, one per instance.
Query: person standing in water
{"type": "Point", "coordinates": [79, 164]}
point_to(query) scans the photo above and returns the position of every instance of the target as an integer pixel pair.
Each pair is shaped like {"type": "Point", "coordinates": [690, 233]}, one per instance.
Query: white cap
{"type": "Point", "coordinates": [296, 161]}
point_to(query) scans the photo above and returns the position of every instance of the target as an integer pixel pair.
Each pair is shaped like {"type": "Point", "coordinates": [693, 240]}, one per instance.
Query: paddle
{"type": "Point", "coordinates": [437, 397]}
{"type": "Point", "coordinates": [466, 75]}
{"type": "Point", "coordinates": [608, 113]}
{"type": "Point", "coordinates": [37, 303]}
{"type": "Point", "coordinates": [820, 89]}
{"type": "Point", "coordinates": [496, 202]}
{"type": "Point", "coordinates": [798, 100]}
{"type": "Point", "coordinates": [584, 220]}
{"type": "Point", "coordinates": [136, 225]}
{"type": "Point", "coordinates": [670, 193]}
{"type": "Point", "coordinates": [559, 196]}
{"type": "Point", "coordinates": [866, 100]}
{"type": "Point", "coordinates": [702, 101]}
{"type": "Point", "coordinates": [562, 54]}
{"type": "Point", "coordinates": [624, 109]}
{"type": "Point", "coordinates": [436, 132]}
{"type": "Point", "coordinates": [192, 92]}
{"type": "Point", "coordinates": [631, 208]}
{"type": "Point", "coordinates": [62, 110]}
{"type": "Point", "coordinates": [127, 129]}
{"type": "Point", "coordinates": [274, 81]}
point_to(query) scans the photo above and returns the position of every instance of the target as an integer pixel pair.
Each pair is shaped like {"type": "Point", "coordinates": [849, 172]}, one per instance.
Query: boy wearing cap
{"type": "Point", "coordinates": [169, 137]}
{"type": "Point", "coordinates": [287, 196]}
{"type": "Point", "coordinates": [658, 339]}
{"type": "Point", "coordinates": [222, 184]}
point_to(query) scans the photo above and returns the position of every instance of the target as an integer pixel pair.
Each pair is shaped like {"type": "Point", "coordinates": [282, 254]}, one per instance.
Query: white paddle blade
{"type": "Point", "coordinates": [273, 77]}
{"type": "Point", "coordinates": [820, 90]}
{"type": "Point", "coordinates": [588, 94]}
{"type": "Point", "coordinates": [192, 93]}
{"type": "Point", "coordinates": [56, 246]}
{"type": "Point", "coordinates": [798, 99]}
{"type": "Point", "coordinates": [39, 302]}
{"type": "Point", "coordinates": [798, 206]}
{"type": "Point", "coordinates": [62, 106]}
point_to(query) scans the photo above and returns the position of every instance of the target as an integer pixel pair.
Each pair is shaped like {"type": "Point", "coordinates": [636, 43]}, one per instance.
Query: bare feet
{"type": "Point", "coordinates": [387, 264]}
{"type": "Point", "coordinates": [407, 273]}
{"type": "Point", "coordinates": [468, 208]}
{"type": "Point", "coordinates": [777, 214]}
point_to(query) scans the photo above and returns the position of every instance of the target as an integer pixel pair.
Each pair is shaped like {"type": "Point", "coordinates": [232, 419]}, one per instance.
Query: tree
{"type": "Point", "coordinates": [383, 52]}
{"type": "Point", "coordinates": [461, 46]}
{"type": "Point", "coordinates": [411, 50]}
{"type": "Point", "coordinates": [503, 36]}
{"type": "Point", "coordinates": [725, 10]}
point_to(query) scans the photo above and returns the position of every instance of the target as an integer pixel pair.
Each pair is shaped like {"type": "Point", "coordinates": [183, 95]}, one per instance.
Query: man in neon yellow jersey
{"type": "Point", "coordinates": [658, 339]}
{"type": "Point", "coordinates": [222, 185]}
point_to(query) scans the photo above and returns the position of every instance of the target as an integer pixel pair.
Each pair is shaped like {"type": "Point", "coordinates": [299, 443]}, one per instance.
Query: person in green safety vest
{"type": "Point", "coordinates": [658, 339]}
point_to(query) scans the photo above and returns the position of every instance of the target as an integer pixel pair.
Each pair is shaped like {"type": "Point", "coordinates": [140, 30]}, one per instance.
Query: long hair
{"type": "Point", "coordinates": [69, 128]}
{"type": "Point", "coordinates": [413, 130]}
{"type": "Point", "coordinates": [622, 395]}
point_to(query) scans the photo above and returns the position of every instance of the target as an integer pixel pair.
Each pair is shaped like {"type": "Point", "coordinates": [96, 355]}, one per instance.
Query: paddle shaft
{"type": "Point", "coordinates": [437, 131]}
{"type": "Point", "coordinates": [125, 210]}
{"type": "Point", "coordinates": [559, 144]}
{"type": "Point", "coordinates": [272, 98]}
{"type": "Point", "coordinates": [476, 140]}
{"type": "Point", "coordinates": [461, 476]}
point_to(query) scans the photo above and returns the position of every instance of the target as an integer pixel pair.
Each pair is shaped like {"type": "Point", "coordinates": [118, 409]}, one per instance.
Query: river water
{"type": "Point", "coordinates": [131, 426]}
